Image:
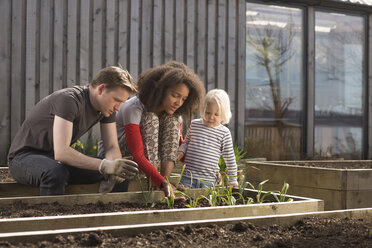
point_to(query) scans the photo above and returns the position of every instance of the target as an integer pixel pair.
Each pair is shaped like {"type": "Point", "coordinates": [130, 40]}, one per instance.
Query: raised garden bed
{"type": "Point", "coordinates": [298, 205]}
{"type": "Point", "coordinates": [342, 184]}
{"type": "Point", "coordinates": [346, 228]}
{"type": "Point", "coordinates": [10, 188]}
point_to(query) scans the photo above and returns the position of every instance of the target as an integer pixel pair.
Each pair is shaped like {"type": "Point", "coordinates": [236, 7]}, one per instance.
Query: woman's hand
{"type": "Point", "coordinates": [166, 188]}
{"type": "Point", "coordinates": [180, 156]}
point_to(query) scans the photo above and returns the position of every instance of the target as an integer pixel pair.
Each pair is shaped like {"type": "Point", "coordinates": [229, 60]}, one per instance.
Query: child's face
{"type": "Point", "coordinates": [212, 115]}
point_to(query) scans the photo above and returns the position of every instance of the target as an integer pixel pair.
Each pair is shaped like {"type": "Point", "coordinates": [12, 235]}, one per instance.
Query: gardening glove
{"type": "Point", "coordinates": [107, 185]}
{"type": "Point", "coordinates": [124, 168]}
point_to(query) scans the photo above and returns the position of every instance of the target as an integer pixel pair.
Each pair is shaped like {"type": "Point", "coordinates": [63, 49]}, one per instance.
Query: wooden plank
{"type": "Point", "coordinates": [168, 30]}
{"type": "Point", "coordinates": [17, 65]}
{"type": "Point", "coordinates": [202, 42]}
{"type": "Point", "coordinates": [296, 176]}
{"type": "Point", "coordinates": [240, 113]}
{"type": "Point", "coordinates": [32, 30]}
{"type": "Point", "coordinates": [358, 199]}
{"type": "Point", "coordinates": [212, 66]}
{"type": "Point", "coordinates": [111, 33]}
{"type": "Point", "coordinates": [59, 54]}
{"type": "Point", "coordinates": [221, 47]}
{"type": "Point", "coordinates": [231, 76]}
{"type": "Point", "coordinates": [98, 31]}
{"type": "Point", "coordinates": [14, 189]}
{"type": "Point", "coordinates": [179, 46]}
{"type": "Point", "coordinates": [359, 179]}
{"type": "Point", "coordinates": [72, 43]}
{"type": "Point", "coordinates": [146, 36]}
{"type": "Point", "coordinates": [333, 199]}
{"type": "Point", "coordinates": [153, 216]}
{"type": "Point", "coordinates": [85, 26]}
{"type": "Point", "coordinates": [190, 34]}
{"type": "Point", "coordinates": [46, 63]}
{"type": "Point", "coordinates": [134, 39]}
{"type": "Point", "coordinates": [124, 14]}
{"type": "Point", "coordinates": [157, 58]}
{"type": "Point", "coordinates": [133, 230]}
{"type": "Point", "coordinates": [5, 69]}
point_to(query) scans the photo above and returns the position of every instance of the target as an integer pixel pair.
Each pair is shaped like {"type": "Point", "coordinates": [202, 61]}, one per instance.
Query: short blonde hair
{"type": "Point", "coordinates": [223, 103]}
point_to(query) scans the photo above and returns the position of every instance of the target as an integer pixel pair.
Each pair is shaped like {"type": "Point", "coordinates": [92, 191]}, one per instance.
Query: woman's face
{"type": "Point", "coordinates": [174, 98]}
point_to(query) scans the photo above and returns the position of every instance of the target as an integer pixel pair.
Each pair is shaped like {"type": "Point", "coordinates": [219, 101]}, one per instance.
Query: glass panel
{"type": "Point", "coordinates": [274, 55]}
{"type": "Point", "coordinates": [339, 42]}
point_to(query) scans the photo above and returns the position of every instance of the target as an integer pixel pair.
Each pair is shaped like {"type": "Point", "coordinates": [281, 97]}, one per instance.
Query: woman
{"type": "Point", "coordinates": [148, 124]}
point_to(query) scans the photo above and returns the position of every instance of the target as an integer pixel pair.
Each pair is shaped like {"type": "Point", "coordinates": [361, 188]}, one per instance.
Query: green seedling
{"type": "Point", "coordinates": [260, 197]}
{"type": "Point", "coordinates": [146, 194]}
{"type": "Point", "coordinates": [228, 198]}
{"type": "Point", "coordinates": [282, 194]}
{"type": "Point", "coordinates": [213, 196]}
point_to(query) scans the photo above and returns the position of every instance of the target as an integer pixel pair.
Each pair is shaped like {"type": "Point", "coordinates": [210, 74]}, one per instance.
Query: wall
{"type": "Point", "coordinates": [47, 45]}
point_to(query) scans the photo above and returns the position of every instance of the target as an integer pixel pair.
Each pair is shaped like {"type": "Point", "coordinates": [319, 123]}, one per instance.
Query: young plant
{"type": "Point", "coordinates": [146, 194]}
{"type": "Point", "coordinates": [213, 196]}
{"type": "Point", "coordinates": [282, 194]}
{"type": "Point", "coordinates": [260, 197]}
{"type": "Point", "coordinates": [228, 198]}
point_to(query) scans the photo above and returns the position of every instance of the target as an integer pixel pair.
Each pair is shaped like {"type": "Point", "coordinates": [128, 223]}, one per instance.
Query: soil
{"type": "Point", "coordinates": [310, 232]}
{"type": "Point", "coordinates": [18, 209]}
{"type": "Point", "coordinates": [355, 164]}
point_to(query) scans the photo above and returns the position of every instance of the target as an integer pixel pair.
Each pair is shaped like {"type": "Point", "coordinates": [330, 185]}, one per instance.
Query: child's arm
{"type": "Point", "coordinates": [183, 147]}
{"type": "Point", "coordinates": [229, 157]}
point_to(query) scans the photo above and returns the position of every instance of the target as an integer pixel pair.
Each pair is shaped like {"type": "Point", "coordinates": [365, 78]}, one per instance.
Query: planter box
{"type": "Point", "coordinates": [339, 188]}
{"type": "Point", "coordinates": [298, 205]}
{"type": "Point", "coordinates": [14, 189]}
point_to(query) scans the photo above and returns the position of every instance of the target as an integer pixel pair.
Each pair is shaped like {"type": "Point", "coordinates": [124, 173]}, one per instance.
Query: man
{"type": "Point", "coordinates": [41, 153]}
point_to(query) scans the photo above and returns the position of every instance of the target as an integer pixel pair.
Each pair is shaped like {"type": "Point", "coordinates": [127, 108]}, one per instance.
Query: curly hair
{"type": "Point", "coordinates": [153, 83]}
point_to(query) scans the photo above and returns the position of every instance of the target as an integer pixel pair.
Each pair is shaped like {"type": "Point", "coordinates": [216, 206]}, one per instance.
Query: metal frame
{"type": "Point", "coordinates": [310, 6]}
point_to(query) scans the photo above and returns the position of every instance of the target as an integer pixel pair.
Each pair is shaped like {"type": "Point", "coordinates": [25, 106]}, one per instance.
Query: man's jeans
{"type": "Point", "coordinates": [41, 170]}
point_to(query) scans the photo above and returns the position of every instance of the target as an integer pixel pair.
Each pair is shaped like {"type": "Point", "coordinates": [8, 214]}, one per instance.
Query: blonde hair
{"type": "Point", "coordinates": [223, 103]}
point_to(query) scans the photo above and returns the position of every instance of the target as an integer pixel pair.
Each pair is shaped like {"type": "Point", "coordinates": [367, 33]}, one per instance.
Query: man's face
{"type": "Point", "coordinates": [111, 100]}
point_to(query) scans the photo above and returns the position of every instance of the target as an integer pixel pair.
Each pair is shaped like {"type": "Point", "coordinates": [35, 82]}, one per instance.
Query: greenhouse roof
{"type": "Point", "coordinates": [364, 2]}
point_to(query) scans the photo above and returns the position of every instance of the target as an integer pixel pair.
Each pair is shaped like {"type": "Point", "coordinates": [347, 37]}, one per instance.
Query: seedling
{"type": "Point", "coordinates": [282, 194]}
{"type": "Point", "coordinates": [260, 197]}
{"type": "Point", "coordinates": [229, 199]}
{"type": "Point", "coordinates": [146, 194]}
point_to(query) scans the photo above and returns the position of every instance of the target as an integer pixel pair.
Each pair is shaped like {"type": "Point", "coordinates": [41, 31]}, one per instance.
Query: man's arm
{"type": "Point", "coordinates": [62, 134]}
{"type": "Point", "coordinates": [110, 140]}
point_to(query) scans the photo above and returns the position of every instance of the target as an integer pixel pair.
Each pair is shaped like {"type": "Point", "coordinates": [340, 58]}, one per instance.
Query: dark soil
{"type": "Point", "coordinates": [18, 209]}
{"type": "Point", "coordinates": [311, 232]}
{"type": "Point", "coordinates": [344, 164]}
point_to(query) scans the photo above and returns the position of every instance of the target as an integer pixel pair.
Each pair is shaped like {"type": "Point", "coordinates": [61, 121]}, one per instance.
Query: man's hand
{"type": "Point", "coordinates": [124, 168]}
{"type": "Point", "coordinates": [107, 185]}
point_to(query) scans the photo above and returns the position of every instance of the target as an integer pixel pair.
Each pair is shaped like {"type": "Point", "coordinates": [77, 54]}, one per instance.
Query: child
{"type": "Point", "coordinates": [206, 140]}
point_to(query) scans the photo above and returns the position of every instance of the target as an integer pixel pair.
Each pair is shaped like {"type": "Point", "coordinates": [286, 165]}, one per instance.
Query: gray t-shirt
{"type": "Point", "coordinates": [72, 104]}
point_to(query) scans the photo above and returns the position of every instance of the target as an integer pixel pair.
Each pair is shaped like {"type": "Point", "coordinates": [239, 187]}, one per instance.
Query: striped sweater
{"type": "Point", "coordinates": [203, 147]}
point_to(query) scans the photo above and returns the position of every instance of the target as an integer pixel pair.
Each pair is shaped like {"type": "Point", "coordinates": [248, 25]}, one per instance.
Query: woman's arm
{"type": "Point", "coordinates": [135, 144]}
